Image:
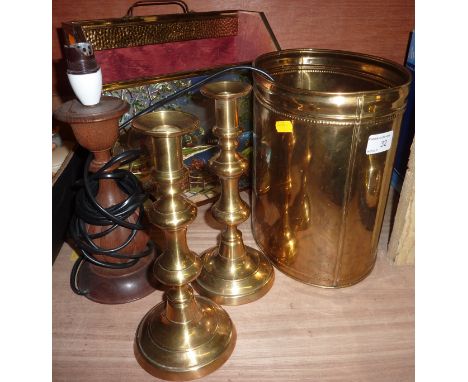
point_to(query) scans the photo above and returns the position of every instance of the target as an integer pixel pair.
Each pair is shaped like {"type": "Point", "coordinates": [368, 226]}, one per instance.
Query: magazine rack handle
{"type": "Point", "coordinates": [144, 3]}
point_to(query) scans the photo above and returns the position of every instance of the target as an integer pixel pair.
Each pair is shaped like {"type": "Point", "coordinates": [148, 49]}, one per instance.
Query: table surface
{"type": "Point", "coordinates": [295, 333]}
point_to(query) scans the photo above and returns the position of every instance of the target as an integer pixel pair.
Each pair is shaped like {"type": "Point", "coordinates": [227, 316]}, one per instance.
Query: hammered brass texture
{"type": "Point", "coordinates": [318, 197]}
{"type": "Point", "coordinates": [147, 30]}
{"type": "Point", "coordinates": [186, 336]}
{"type": "Point", "coordinates": [233, 273]}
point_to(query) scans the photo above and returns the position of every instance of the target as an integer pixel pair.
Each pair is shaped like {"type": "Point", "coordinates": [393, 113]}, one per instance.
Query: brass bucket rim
{"type": "Point", "coordinates": [398, 69]}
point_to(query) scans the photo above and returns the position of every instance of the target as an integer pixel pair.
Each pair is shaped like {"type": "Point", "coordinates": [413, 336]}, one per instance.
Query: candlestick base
{"type": "Point", "coordinates": [234, 282]}
{"type": "Point", "coordinates": [181, 351]}
{"type": "Point", "coordinates": [117, 286]}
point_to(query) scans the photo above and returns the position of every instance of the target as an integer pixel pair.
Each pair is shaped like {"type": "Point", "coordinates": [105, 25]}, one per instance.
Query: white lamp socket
{"type": "Point", "coordinates": [87, 87]}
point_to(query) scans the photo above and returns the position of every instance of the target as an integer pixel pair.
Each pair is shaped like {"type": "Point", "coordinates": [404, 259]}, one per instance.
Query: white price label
{"type": "Point", "coordinates": [378, 143]}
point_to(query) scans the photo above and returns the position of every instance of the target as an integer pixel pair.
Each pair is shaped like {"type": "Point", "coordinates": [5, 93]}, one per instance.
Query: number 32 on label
{"type": "Point", "coordinates": [378, 143]}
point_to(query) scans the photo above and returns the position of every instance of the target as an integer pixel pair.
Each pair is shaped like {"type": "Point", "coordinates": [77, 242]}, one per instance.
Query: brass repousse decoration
{"type": "Point", "coordinates": [144, 30]}
{"type": "Point", "coordinates": [187, 336]}
{"type": "Point", "coordinates": [233, 273]}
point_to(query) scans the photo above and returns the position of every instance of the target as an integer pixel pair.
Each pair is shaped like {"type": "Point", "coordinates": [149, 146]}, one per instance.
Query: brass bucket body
{"type": "Point", "coordinates": [325, 136]}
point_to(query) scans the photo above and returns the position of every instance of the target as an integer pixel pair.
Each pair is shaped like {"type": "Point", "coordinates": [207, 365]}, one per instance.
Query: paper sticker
{"type": "Point", "coordinates": [284, 127]}
{"type": "Point", "coordinates": [378, 143]}
{"type": "Point", "coordinates": [74, 256]}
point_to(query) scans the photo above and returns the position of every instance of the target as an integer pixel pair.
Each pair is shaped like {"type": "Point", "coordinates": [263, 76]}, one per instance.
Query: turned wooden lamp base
{"type": "Point", "coordinates": [117, 286]}
{"type": "Point", "coordinates": [96, 128]}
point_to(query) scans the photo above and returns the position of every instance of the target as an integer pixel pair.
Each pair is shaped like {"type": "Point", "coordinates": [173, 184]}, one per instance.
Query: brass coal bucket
{"type": "Point", "coordinates": [325, 136]}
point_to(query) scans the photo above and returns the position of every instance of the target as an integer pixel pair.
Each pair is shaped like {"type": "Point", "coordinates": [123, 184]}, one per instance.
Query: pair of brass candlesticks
{"type": "Point", "coordinates": [189, 336]}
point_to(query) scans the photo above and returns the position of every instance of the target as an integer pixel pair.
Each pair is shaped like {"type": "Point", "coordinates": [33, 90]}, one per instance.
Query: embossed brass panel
{"type": "Point", "coordinates": [318, 198]}
{"type": "Point", "coordinates": [144, 30]}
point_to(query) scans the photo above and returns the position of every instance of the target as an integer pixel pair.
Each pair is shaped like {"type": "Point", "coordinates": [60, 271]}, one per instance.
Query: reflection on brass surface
{"type": "Point", "coordinates": [283, 245]}
{"type": "Point", "coordinates": [145, 30]}
{"type": "Point", "coordinates": [233, 273]}
{"type": "Point", "coordinates": [370, 189]}
{"type": "Point", "coordinates": [318, 198]}
{"type": "Point", "coordinates": [145, 81]}
{"type": "Point", "coordinates": [293, 209]}
{"type": "Point", "coordinates": [187, 336]}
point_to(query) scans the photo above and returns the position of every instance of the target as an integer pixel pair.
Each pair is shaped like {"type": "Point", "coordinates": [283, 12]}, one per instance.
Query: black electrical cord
{"type": "Point", "coordinates": [183, 91]}
{"type": "Point", "coordinates": [89, 211]}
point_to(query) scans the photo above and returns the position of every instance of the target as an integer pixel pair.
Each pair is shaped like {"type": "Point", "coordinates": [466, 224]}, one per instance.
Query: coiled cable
{"type": "Point", "coordinates": [89, 212]}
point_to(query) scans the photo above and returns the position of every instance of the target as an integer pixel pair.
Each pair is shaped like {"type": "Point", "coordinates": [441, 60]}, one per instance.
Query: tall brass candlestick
{"type": "Point", "coordinates": [186, 336]}
{"type": "Point", "coordinates": [233, 273]}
